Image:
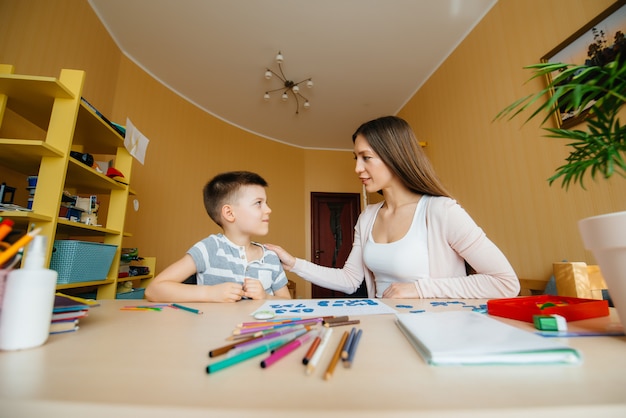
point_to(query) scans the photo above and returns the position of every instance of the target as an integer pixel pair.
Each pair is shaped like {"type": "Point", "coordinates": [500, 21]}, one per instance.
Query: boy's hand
{"type": "Point", "coordinates": [225, 292]}
{"type": "Point", "coordinates": [253, 289]}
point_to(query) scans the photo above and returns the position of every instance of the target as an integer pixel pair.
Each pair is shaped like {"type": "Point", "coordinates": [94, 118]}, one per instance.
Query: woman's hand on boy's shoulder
{"type": "Point", "coordinates": [287, 260]}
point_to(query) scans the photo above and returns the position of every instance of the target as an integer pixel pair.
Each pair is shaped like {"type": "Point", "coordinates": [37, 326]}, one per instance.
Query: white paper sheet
{"type": "Point", "coordinates": [135, 142]}
{"type": "Point", "coordinates": [326, 307]}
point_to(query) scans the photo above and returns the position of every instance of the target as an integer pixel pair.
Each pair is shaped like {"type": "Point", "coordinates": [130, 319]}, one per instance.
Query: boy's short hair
{"type": "Point", "coordinates": [222, 188]}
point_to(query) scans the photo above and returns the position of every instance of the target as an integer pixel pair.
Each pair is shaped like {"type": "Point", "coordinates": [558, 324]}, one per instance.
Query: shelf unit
{"type": "Point", "coordinates": [143, 280]}
{"type": "Point", "coordinates": [53, 106]}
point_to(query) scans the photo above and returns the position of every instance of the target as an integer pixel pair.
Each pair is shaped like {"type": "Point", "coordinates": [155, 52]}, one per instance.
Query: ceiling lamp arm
{"type": "Point", "coordinates": [288, 85]}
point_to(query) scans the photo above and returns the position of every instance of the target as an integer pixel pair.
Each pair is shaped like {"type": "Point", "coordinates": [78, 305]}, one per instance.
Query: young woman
{"type": "Point", "coordinates": [418, 242]}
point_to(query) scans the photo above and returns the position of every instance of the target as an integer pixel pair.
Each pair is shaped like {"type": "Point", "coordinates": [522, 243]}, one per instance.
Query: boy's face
{"type": "Point", "coordinates": [252, 214]}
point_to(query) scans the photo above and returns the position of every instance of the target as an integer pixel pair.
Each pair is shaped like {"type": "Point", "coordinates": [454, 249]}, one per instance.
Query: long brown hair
{"type": "Point", "coordinates": [395, 143]}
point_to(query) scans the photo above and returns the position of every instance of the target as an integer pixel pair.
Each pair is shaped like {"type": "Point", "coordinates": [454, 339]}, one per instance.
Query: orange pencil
{"type": "Point", "coordinates": [17, 245]}
{"type": "Point", "coordinates": [335, 359]}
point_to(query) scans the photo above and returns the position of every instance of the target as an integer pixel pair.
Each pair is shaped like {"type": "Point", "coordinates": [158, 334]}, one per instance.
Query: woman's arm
{"type": "Point", "coordinates": [346, 280]}
{"type": "Point", "coordinates": [453, 238]}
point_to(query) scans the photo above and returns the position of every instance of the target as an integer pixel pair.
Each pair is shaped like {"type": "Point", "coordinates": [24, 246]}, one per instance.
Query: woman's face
{"type": "Point", "coordinates": [372, 171]}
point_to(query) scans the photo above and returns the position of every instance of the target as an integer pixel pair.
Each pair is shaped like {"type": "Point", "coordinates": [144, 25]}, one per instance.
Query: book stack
{"type": "Point", "coordinates": [67, 311]}
{"type": "Point", "coordinates": [127, 255]}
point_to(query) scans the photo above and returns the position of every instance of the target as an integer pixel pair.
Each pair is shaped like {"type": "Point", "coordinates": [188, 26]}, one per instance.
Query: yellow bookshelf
{"type": "Point", "coordinates": [42, 119]}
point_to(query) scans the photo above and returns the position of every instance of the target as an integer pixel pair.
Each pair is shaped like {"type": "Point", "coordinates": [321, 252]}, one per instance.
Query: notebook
{"type": "Point", "coordinates": [472, 338]}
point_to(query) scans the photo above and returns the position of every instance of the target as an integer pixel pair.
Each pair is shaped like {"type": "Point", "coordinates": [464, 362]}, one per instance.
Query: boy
{"type": "Point", "coordinates": [228, 266]}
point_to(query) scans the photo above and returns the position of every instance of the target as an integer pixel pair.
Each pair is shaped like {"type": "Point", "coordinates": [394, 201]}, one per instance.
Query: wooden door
{"type": "Point", "coordinates": [333, 216]}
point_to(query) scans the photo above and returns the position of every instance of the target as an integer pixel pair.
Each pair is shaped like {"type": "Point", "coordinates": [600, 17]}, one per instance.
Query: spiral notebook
{"type": "Point", "coordinates": [471, 338]}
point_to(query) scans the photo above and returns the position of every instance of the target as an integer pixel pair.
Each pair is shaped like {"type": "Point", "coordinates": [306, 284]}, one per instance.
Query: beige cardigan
{"type": "Point", "coordinates": [453, 238]}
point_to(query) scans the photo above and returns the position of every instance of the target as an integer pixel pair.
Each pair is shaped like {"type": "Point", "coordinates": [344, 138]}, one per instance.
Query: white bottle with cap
{"type": "Point", "coordinates": [28, 301]}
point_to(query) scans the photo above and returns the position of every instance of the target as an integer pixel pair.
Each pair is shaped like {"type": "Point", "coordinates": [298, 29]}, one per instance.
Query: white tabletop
{"type": "Point", "coordinates": [153, 364]}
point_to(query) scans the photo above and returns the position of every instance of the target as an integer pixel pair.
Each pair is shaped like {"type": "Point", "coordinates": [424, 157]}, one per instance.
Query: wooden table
{"type": "Point", "coordinates": [153, 364]}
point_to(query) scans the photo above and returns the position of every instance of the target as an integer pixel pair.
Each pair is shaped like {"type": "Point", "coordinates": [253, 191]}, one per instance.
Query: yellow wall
{"type": "Point", "coordinates": [496, 170]}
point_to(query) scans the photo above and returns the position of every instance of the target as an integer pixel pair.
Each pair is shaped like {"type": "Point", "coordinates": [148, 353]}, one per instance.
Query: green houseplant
{"type": "Point", "coordinates": [595, 93]}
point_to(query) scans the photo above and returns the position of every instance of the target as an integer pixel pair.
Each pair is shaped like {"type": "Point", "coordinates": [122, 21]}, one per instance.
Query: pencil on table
{"type": "Point", "coordinates": [333, 362]}
{"type": "Point", "coordinates": [346, 347]}
{"type": "Point", "coordinates": [187, 308]}
{"type": "Point", "coordinates": [353, 346]}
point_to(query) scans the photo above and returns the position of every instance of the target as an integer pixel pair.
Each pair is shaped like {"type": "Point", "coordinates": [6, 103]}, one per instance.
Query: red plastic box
{"type": "Point", "coordinates": [524, 307]}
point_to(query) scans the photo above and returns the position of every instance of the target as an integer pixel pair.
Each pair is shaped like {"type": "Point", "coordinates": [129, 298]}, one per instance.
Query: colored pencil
{"type": "Point", "coordinates": [346, 348]}
{"type": "Point", "coordinates": [186, 308]}
{"type": "Point", "coordinates": [353, 346]}
{"type": "Point", "coordinates": [333, 362]}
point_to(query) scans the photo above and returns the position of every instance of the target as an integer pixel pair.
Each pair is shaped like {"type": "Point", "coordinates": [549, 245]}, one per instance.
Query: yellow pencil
{"type": "Point", "coordinates": [17, 245]}
{"type": "Point", "coordinates": [335, 359]}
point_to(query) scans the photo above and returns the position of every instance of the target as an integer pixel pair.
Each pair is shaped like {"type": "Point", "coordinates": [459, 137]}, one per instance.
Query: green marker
{"type": "Point", "coordinates": [236, 359]}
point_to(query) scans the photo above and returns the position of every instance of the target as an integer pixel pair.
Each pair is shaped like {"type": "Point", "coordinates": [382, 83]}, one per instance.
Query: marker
{"type": "Point", "coordinates": [17, 245]}
{"type": "Point", "coordinates": [285, 349]}
{"type": "Point", "coordinates": [242, 345]}
{"type": "Point", "coordinates": [226, 348]}
{"type": "Point", "coordinates": [270, 327]}
{"type": "Point", "coordinates": [316, 342]}
{"type": "Point", "coordinates": [268, 321]}
{"type": "Point", "coordinates": [186, 308]}
{"type": "Point", "coordinates": [281, 340]}
{"type": "Point", "coordinates": [231, 361]}
{"type": "Point", "coordinates": [332, 319]}
{"type": "Point", "coordinates": [326, 333]}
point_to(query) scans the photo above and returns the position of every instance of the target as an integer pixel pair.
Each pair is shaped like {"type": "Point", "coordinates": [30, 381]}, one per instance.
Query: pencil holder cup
{"type": "Point", "coordinates": [26, 308]}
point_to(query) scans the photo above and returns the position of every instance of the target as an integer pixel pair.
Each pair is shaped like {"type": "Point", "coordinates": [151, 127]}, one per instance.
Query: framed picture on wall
{"type": "Point", "coordinates": [596, 43]}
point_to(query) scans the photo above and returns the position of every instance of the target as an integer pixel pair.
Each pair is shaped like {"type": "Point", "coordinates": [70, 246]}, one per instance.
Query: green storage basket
{"type": "Point", "coordinates": [81, 261]}
{"type": "Point", "coordinates": [133, 294]}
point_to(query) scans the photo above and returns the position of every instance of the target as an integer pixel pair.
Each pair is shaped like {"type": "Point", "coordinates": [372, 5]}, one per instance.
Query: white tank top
{"type": "Point", "coordinates": [405, 260]}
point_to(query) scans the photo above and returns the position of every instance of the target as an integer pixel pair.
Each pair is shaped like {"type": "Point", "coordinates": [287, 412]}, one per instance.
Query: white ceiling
{"type": "Point", "coordinates": [367, 58]}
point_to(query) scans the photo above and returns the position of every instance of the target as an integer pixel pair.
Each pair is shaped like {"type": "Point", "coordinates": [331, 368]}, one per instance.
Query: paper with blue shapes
{"type": "Point", "coordinates": [326, 307]}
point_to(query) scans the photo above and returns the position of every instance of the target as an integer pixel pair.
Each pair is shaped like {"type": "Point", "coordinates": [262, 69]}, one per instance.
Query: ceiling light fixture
{"type": "Point", "coordinates": [288, 85]}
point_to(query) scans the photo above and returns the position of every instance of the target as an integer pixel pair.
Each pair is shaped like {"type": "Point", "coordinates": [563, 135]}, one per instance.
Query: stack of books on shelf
{"type": "Point", "coordinates": [126, 269]}
{"type": "Point", "coordinates": [67, 311]}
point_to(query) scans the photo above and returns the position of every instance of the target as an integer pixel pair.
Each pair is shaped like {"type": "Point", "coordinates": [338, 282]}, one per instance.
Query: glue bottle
{"type": "Point", "coordinates": [28, 300]}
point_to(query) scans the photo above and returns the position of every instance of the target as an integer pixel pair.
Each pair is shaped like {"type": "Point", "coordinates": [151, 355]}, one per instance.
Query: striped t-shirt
{"type": "Point", "coordinates": [219, 260]}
